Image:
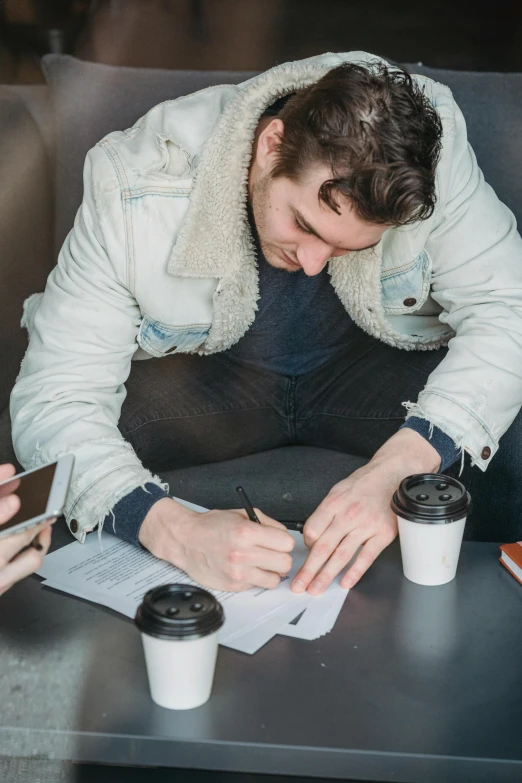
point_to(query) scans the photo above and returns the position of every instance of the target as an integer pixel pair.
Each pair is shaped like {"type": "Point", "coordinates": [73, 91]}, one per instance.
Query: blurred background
{"type": "Point", "coordinates": [256, 34]}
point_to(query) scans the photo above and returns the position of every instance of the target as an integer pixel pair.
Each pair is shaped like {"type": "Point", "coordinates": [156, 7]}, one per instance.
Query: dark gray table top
{"type": "Point", "coordinates": [413, 684]}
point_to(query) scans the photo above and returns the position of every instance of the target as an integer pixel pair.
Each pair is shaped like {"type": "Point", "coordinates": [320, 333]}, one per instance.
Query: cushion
{"type": "Point", "coordinates": [37, 99]}
{"type": "Point", "coordinates": [492, 106]}
{"type": "Point", "coordinates": [286, 483]}
{"type": "Point", "coordinates": [26, 225]}
{"type": "Point", "coordinates": [92, 99]}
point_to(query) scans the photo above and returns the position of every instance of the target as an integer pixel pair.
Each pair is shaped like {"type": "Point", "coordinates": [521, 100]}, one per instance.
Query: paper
{"type": "Point", "coordinates": [322, 612]}
{"type": "Point", "coordinates": [121, 574]}
{"type": "Point", "coordinates": [115, 574]}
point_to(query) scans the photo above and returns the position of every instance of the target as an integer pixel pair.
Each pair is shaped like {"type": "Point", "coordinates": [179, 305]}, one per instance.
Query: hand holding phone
{"type": "Point", "coordinates": [20, 553]}
{"type": "Point", "coordinates": [38, 495]}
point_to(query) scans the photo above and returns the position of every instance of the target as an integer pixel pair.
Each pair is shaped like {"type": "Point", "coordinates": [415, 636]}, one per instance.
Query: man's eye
{"type": "Point", "coordinates": [300, 227]}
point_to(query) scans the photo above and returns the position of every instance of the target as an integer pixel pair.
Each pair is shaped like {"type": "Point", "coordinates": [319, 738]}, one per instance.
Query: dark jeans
{"type": "Point", "coordinates": [188, 410]}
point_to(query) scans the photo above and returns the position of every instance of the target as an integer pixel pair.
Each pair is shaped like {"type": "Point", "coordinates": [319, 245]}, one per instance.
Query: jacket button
{"type": "Point", "coordinates": [74, 526]}
{"type": "Point", "coordinates": [486, 453]}
{"type": "Point", "coordinates": [409, 302]}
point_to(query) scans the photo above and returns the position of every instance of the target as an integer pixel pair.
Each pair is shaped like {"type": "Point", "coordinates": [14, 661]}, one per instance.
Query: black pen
{"type": "Point", "coordinates": [247, 505]}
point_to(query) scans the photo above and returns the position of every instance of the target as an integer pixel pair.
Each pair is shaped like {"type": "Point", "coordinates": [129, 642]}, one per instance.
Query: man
{"type": "Point", "coordinates": [358, 180]}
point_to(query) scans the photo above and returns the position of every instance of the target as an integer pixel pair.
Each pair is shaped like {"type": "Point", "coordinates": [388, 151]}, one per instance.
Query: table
{"type": "Point", "coordinates": [413, 684]}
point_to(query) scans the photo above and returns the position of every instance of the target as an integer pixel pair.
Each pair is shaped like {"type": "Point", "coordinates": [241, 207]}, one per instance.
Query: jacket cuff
{"type": "Point", "coordinates": [442, 443]}
{"type": "Point", "coordinates": [127, 516]}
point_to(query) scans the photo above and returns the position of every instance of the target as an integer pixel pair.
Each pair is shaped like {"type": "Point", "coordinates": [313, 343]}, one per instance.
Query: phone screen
{"type": "Point", "coordinates": [33, 491]}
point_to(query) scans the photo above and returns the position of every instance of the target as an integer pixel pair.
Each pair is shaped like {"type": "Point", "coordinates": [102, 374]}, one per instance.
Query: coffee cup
{"type": "Point", "coordinates": [179, 626]}
{"type": "Point", "coordinates": [431, 512]}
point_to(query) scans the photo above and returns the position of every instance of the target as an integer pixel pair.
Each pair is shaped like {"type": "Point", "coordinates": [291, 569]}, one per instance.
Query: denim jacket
{"type": "Point", "coordinates": [161, 261]}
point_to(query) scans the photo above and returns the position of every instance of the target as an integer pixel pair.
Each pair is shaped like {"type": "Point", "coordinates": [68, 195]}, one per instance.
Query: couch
{"type": "Point", "coordinates": [45, 133]}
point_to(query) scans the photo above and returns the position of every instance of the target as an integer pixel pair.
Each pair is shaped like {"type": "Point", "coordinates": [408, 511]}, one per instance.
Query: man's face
{"type": "Point", "coordinates": [296, 229]}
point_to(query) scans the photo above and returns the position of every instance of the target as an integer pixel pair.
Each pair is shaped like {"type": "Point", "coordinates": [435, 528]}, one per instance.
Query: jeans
{"type": "Point", "coordinates": [187, 410]}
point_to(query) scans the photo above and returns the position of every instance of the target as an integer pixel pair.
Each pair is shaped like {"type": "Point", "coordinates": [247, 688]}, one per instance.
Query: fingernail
{"type": "Point", "coordinates": [298, 587]}
{"type": "Point", "coordinates": [315, 589]}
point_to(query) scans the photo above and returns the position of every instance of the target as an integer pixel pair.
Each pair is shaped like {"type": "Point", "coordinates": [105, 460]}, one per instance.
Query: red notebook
{"type": "Point", "coordinates": [511, 558]}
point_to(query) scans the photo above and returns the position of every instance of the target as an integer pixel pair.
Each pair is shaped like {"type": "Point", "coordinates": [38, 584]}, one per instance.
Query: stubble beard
{"type": "Point", "coordinates": [260, 208]}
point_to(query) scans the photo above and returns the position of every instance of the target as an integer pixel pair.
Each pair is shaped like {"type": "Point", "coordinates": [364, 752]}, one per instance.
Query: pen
{"type": "Point", "coordinates": [247, 505]}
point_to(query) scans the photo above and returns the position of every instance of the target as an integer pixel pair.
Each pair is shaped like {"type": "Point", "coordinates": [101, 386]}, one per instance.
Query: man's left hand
{"type": "Point", "coordinates": [356, 513]}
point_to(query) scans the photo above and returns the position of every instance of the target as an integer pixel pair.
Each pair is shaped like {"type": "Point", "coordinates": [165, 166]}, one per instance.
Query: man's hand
{"type": "Point", "coordinates": [356, 513]}
{"type": "Point", "coordinates": [220, 549]}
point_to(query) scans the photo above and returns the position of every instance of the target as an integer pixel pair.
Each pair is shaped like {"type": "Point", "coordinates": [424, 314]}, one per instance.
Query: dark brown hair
{"type": "Point", "coordinates": [377, 132]}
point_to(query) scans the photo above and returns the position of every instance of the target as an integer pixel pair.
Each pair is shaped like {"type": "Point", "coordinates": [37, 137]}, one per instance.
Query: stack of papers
{"type": "Point", "coordinates": [111, 572]}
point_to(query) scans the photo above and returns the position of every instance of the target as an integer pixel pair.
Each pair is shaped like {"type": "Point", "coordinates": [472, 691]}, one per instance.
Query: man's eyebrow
{"type": "Point", "coordinates": [305, 224]}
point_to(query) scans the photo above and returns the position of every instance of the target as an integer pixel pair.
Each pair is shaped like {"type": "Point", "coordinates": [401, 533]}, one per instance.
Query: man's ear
{"type": "Point", "coordinates": [268, 143]}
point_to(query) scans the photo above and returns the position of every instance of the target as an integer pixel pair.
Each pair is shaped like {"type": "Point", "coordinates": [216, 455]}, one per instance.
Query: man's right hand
{"type": "Point", "coordinates": [219, 549]}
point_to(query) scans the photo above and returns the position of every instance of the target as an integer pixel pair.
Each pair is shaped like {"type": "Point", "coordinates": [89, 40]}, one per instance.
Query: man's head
{"type": "Point", "coordinates": [346, 158]}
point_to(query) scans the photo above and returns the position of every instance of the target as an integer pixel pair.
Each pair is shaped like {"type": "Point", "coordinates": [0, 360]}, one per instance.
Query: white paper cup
{"type": "Point", "coordinates": [179, 625]}
{"type": "Point", "coordinates": [430, 553]}
{"type": "Point", "coordinates": [431, 513]}
{"type": "Point", "coordinates": [180, 673]}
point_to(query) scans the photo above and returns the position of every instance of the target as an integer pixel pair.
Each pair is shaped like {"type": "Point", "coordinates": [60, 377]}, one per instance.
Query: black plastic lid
{"type": "Point", "coordinates": [431, 498]}
{"type": "Point", "coordinates": [179, 612]}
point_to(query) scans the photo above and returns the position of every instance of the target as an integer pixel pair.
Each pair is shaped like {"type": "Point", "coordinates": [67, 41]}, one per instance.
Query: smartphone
{"type": "Point", "coordinates": [42, 494]}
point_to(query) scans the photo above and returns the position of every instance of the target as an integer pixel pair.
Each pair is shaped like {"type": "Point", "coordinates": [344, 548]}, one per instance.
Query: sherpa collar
{"type": "Point", "coordinates": [215, 239]}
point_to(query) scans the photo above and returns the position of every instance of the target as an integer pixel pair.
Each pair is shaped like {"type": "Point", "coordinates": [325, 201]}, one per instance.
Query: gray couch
{"type": "Point", "coordinates": [45, 133]}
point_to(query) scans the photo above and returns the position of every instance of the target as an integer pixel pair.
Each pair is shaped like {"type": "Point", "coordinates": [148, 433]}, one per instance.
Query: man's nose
{"type": "Point", "coordinates": [313, 258]}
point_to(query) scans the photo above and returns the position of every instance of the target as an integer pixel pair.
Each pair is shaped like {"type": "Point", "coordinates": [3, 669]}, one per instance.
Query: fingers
{"type": "Point", "coordinates": [255, 577]}
{"type": "Point", "coordinates": [44, 538]}
{"type": "Point", "coordinates": [343, 554]}
{"type": "Point", "coordinates": [241, 576]}
{"type": "Point", "coordinates": [26, 563]}
{"type": "Point", "coordinates": [266, 520]}
{"type": "Point", "coordinates": [320, 553]}
{"type": "Point", "coordinates": [318, 522]}
{"type": "Point", "coordinates": [9, 488]}
{"type": "Point", "coordinates": [270, 534]}
{"type": "Point", "coordinates": [6, 471]}
{"type": "Point", "coordinates": [11, 545]}
{"type": "Point", "coordinates": [338, 560]}
{"type": "Point", "coordinates": [265, 547]}
{"type": "Point", "coordinates": [369, 552]}
{"type": "Point", "coordinates": [266, 579]}
{"type": "Point", "coordinates": [9, 506]}
{"type": "Point", "coordinates": [265, 559]}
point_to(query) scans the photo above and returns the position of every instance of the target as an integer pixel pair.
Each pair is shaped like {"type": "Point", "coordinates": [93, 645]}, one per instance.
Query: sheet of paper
{"type": "Point", "coordinates": [320, 616]}
{"type": "Point", "coordinates": [115, 574]}
{"type": "Point", "coordinates": [255, 638]}
{"type": "Point", "coordinates": [323, 610]}
{"type": "Point", "coordinates": [249, 641]}
{"type": "Point", "coordinates": [119, 574]}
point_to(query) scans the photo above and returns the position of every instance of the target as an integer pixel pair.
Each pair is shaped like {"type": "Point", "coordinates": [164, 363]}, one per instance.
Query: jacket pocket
{"type": "Point", "coordinates": [160, 339]}
{"type": "Point", "coordinates": [405, 289]}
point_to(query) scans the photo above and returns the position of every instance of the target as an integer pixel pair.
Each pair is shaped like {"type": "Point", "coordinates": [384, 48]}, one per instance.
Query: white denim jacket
{"type": "Point", "coordinates": [161, 261]}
